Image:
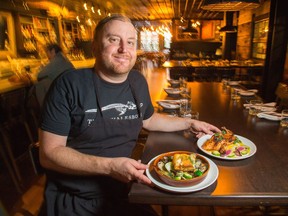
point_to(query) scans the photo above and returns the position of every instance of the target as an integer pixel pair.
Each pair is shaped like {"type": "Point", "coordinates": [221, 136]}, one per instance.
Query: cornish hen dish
{"type": "Point", "coordinates": [225, 143]}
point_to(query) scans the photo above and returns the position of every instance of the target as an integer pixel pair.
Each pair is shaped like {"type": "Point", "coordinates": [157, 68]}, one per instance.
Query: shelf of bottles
{"type": "Point", "coordinates": [70, 35]}
{"type": "Point", "coordinates": [36, 32]}
{"type": "Point", "coordinates": [73, 34]}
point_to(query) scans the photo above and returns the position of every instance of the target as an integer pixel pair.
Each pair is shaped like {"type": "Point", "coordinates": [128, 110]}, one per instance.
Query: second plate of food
{"type": "Point", "coordinates": [227, 146]}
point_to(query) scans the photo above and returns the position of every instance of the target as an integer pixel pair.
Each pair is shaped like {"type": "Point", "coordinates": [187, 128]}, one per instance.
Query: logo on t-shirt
{"type": "Point", "coordinates": [121, 108]}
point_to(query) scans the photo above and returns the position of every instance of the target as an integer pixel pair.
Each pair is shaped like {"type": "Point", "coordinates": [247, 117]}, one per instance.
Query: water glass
{"type": "Point", "coordinates": [235, 94]}
{"type": "Point", "coordinates": [185, 108]}
{"type": "Point", "coordinates": [255, 107]}
{"type": "Point", "coordinates": [183, 82]}
{"type": "Point", "coordinates": [284, 118]}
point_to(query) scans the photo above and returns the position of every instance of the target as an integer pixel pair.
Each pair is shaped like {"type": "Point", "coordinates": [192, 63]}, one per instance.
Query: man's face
{"type": "Point", "coordinates": [116, 48]}
{"type": "Point", "coordinates": [50, 54]}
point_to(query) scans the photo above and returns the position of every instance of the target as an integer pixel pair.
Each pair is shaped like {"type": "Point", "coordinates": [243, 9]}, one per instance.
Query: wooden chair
{"type": "Point", "coordinates": [15, 132]}
{"type": "Point", "coordinates": [282, 96]}
{"type": "Point", "coordinates": [34, 156]}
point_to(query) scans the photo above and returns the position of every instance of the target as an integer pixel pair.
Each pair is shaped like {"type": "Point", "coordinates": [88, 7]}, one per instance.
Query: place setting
{"type": "Point", "coordinates": [268, 111]}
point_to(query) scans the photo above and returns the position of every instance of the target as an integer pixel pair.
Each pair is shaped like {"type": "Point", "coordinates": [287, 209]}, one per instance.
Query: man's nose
{"type": "Point", "coordinates": [122, 47]}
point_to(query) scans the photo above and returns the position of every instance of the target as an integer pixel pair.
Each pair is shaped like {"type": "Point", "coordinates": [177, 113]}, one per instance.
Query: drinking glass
{"type": "Point", "coordinates": [183, 82]}
{"type": "Point", "coordinates": [284, 118]}
{"type": "Point", "coordinates": [235, 94]}
{"type": "Point", "coordinates": [255, 107]}
{"type": "Point", "coordinates": [185, 108]}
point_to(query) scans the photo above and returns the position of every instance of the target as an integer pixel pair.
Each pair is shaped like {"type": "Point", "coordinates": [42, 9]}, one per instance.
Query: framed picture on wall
{"type": "Point", "coordinates": [208, 30]}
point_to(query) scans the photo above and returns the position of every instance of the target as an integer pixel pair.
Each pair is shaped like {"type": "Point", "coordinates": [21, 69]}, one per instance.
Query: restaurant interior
{"type": "Point", "coordinates": [207, 41]}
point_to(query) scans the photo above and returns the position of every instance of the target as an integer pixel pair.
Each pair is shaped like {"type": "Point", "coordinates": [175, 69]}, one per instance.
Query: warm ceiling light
{"type": "Point", "coordinates": [85, 6]}
{"type": "Point", "coordinates": [92, 8]}
{"type": "Point", "coordinates": [230, 5]}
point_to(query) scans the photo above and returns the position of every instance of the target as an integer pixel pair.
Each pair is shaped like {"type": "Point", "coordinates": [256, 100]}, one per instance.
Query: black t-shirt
{"type": "Point", "coordinates": [71, 103]}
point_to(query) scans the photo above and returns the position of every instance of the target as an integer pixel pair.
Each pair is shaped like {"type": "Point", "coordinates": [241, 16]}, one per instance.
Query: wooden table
{"type": "Point", "coordinates": [259, 180]}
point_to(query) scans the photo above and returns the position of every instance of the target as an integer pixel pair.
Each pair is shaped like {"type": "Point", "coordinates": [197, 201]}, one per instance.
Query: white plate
{"type": "Point", "coordinates": [209, 180]}
{"type": "Point", "coordinates": [245, 141]}
{"type": "Point", "coordinates": [270, 116]}
{"type": "Point", "coordinates": [233, 83]}
{"type": "Point", "coordinates": [174, 82]}
{"type": "Point", "coordinates": [172, 91]}
{"type": "Point", "coordinates": [168, 105]}
{"type": "Point", "coordinates": [246, 93]}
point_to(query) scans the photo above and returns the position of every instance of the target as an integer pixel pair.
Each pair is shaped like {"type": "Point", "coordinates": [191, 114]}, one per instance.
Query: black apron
{"type": "Point", "coordinates": [95, 195]}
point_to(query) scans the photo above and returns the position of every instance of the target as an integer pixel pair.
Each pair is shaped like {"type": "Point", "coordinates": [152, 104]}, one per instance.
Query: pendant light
{"type": "Point", "coordinates": [228, 28]}
{"type": "Point", "coordinates": [190, 29]}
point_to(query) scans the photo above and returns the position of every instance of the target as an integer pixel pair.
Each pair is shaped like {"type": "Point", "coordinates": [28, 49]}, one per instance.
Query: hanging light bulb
{"type": "Point", "coordinates": [99, 12]}
{"type": "Point", "coordinates": [92, 8]}
{"type": "Point", "coordinates": [85, 6]}
{"type": "Point", "coordinates": [78, 19]}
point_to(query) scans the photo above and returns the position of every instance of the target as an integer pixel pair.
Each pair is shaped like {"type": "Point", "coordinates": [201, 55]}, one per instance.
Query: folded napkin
{"type": "Point", "coordinates": [269, 105]}
{"type": "Point", "coordinates": [274, 116]}
{"type": "Point", "coordinates": [268, 109]}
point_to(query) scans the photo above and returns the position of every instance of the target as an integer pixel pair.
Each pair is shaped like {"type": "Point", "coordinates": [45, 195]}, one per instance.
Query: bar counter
{"type": "Point", "coordinates": [6, 85]}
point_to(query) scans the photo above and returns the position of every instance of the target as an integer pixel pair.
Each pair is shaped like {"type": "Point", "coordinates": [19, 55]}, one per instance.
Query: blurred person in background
{"type": "Point", "coordinates": [58, 63]}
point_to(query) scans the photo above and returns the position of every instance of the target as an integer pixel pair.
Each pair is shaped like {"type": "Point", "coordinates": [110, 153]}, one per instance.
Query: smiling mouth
{"type": "Point", "coordinates": [122, 58]}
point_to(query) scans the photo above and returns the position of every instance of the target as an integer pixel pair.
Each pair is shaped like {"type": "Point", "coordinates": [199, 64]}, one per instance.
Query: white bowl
{"type": "Point", "coordinates": [172, 91]}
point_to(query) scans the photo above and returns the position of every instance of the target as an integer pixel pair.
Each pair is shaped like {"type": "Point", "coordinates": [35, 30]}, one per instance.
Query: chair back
{"type": "Point", "coordinates": [282, 95]}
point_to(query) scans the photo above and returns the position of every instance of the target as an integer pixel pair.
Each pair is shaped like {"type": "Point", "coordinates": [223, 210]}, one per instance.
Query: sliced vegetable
{"type": "Point", "coordinates": [187, 175]}
{"type": "Point", "coordinates": [216, 153]}
{"type": "Point", "coordinates": [168, 166]}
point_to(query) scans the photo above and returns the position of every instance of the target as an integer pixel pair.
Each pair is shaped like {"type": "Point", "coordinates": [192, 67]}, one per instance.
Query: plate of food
{"type": "Point", "coordinates": [169, 176]}
{"type": "Point", "coordinates": [173, 91]}
{"type": "Point", "coordinates": [226, 145]}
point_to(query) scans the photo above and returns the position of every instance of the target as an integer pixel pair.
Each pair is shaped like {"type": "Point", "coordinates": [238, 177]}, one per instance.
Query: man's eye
{"type": "Point", "coordinates": [114, 40]}
{"type": "Point", "coordinates": [131, 43]}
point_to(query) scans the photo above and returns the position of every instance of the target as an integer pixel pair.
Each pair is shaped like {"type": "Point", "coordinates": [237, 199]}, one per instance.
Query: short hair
{"type": "Point", "coordinates": [54, 46]}
{"type": "Point", "coordinates": [107, 19]}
